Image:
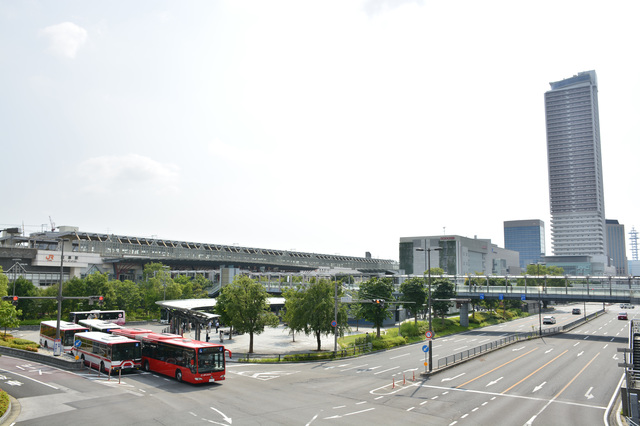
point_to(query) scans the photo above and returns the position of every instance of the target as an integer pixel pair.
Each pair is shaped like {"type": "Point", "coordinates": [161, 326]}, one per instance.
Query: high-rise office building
{"type": "Point", "coordinates": [527, 238]}
{"type": "Point", "coordinates": [575, 168]}
{"type": "Point", "coordinates": [616, 248]}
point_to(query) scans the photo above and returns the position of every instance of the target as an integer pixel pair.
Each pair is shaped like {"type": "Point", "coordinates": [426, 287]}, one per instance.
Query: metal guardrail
{"type": "Point", "coordinates": [471, 353]}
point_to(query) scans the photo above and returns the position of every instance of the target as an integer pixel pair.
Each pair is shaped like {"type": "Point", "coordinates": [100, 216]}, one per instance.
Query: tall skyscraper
{"type": "Point", "coordinates": [575, 168]}
{"type": "Point", "coordinates": [616, 247]}
{"type": "Point", "coordinates": [527, 238]}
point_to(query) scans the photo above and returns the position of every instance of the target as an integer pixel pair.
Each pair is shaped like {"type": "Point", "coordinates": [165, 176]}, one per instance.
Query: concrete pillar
{"type": "Point", "coordinates": [464, 314]}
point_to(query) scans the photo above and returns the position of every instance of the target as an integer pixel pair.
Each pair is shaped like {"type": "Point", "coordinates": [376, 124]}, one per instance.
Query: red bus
{"type": "Point", "coordinates": [139, 333]}
{"type": "Point", "coordinates": [105, 351]}
{"type": "Point", "coordinates": [185, 359]}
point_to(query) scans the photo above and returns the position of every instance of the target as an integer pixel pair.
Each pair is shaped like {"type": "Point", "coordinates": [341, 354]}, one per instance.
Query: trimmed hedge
{"type": "Point", "coordinates": [4, 402]}
{"type": "Point", "coordinates": [24, 344]}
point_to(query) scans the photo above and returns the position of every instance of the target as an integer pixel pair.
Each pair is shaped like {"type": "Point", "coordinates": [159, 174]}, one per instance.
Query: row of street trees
{"type": "Point", "coordinates": [311, 308]}
{"type": "Point", "coordinates": [137, 299]}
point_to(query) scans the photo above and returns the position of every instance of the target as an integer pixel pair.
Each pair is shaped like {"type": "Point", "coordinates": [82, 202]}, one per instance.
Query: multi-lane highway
{"type": "Point", "coordinates": [568, 378]}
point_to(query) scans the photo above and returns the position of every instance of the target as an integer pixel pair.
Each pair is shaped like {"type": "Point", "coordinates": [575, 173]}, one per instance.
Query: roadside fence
{"type": "Point", "coordinates": [507, 340]}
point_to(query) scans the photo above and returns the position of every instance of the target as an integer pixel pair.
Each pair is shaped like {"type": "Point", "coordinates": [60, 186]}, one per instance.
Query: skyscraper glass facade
{"type": "Point", "coordinates": [616, 247]}
{"type": "Point", "coordinates": [575, 167]}
{"type": "Point", "coordinates": [527, 238]}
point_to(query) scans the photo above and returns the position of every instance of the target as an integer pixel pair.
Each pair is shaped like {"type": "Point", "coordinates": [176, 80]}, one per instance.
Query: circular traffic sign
{"type": "Point", "coordinates": [429, 334]}
{"type": "Point", "coordinates": [425, 348]}
{"type": "Point", "coordinates": [334, 324]}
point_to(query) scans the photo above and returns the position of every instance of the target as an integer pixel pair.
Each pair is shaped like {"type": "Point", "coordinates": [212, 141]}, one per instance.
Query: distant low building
{"type": "Point", "coordinates": [458, 256]}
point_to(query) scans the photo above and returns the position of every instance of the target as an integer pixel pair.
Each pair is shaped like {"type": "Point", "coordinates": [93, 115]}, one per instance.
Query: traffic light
{"type": "Point", "coordinates": [378, 302]}
{"type": "Point", "coordinates": [100, 300]}
{"type": "Point", "coordinates": [12, 299]}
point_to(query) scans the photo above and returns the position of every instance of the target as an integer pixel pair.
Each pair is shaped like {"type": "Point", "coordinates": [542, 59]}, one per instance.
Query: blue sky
{"type": "Point", "coordinates": [320, 126]}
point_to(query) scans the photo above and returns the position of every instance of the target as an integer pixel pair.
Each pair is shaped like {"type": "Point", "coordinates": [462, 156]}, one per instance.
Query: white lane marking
{"type": "Point", "coordinates": [399, 356]}
{"type": "Point", "coordinates": [388, 369]}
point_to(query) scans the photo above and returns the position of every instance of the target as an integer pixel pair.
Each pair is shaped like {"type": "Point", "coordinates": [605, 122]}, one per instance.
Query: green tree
{"type": "Point", "coordinates": [47, 307]}
{"type": "Point", "coordinates": [413, 291]}
{"type": "Point", "coordinates": [292, 316]}
{"type": "Point", "coordinates": [536, 273]}
{"type": "Point", "coordinates": [243, 305]}
{"type": "Point", "coordinates": [4, 283]}
{"type": "Point", "coordinates": [312, 310]}
{"type": "Point", "coordinates": [199, 285]}
{"type": "Point", "coordinates": [442, 289]}
{"type": "Point", "coordinates": [9, 316]}
{"type": "Point", "coordinates": [25, 288]}
{"type": "Point", "coordinates": [372, 289]}
{"type": "Point", "coordinates": [128, 295]}
{"type": "Point", "coordinates": [99, 285]}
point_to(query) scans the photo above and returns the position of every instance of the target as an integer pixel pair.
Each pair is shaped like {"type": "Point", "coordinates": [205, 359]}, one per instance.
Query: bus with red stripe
{"type": "Point", "coordinates": [107, 352]}
{"type": "Point", "coordinates": [185, 359]}
{"type": "Point", "coordinates": [67, 332]}
{"type": "Point", "coordinates": [138, 333]}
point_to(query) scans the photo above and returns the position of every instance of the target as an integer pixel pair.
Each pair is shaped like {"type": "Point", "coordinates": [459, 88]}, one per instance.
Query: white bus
{"type": "Point", "coordinates": [67, 332]}
{"type": "Point", "coordinates": [99, 325]}
{"type": "Point", "coordinates": [115, 316]}
{"type": "Point", "coordinates": [107, 352]}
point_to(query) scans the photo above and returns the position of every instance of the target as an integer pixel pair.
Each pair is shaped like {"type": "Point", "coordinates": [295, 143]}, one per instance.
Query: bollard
{"type": "Point", "coordinates": [414, 376]}
{"type": "Point", "coordinates": [393, 385]}
{"type": "Point", "coordinates": [404, 380]}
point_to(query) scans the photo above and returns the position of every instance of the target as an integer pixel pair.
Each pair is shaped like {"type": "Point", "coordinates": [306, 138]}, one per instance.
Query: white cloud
{"type": "Point", "coordinates": [65, 39]}
{"type": "Point", "coordinates": [111, 174]}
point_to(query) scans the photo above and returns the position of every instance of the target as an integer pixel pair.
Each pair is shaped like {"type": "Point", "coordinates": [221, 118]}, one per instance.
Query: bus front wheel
{"type": "Point", "coordinates": [179, 375]}
{"type": "Point", "coordinates": [146, 366]}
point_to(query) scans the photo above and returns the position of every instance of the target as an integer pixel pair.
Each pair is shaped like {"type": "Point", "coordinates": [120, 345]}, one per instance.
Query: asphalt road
{"type": "Point", "coordinates": [564, 379]}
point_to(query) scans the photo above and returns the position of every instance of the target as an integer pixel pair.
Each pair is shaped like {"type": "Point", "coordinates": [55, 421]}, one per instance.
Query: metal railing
{"type": "Point", "coordinates": [470, 353]}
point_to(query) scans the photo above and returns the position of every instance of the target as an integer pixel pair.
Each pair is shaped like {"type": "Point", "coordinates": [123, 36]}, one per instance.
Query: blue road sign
{"type": "Point", "coordinates": [77, 343]}
{"type": "Point", "coordinates": [501, 296]}
{"type": "Point", "coordinates": [481, 296]}
{"type": "Point", "coordinates": [425, 348]}
{"type": "Point", "coordinates": [523, 297]}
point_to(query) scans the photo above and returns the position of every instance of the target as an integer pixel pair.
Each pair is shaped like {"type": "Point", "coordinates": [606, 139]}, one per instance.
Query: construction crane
{"type": "Point", "coordinates": [53, 225]}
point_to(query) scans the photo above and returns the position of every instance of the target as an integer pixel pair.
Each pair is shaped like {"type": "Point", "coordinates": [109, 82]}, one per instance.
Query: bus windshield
{"type": "Point", "coordinates": [126, 351]}
{"type": "Point", "coordinates": [68, 336]}
{"type": "Point", "coordinates": [210, 360]}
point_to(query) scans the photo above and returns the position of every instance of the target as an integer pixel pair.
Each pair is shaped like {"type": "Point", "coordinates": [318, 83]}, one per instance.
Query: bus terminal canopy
{"type": "Point", "coordinates": [191, 308]}
{"type": "Point", "coordinates": [196, 308]}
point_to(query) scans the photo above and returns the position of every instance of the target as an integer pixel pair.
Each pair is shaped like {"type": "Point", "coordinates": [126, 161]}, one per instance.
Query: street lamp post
{"type": "Point", "coordinates": [427, 255]}
{"type": "Point", "coordinates": [540, 310]}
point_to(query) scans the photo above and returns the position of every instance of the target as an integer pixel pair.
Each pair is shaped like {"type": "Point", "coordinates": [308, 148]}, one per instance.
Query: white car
{"type": "Point", "coordinates": [549, 320]}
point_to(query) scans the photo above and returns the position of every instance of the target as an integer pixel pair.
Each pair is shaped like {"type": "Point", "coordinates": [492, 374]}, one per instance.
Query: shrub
{"type": "Point", "coordinates": [4, 402]}
{"type": "Point", "coordinates": [409, 329]}
{"type": "Point", "coordinates": [388, 343]}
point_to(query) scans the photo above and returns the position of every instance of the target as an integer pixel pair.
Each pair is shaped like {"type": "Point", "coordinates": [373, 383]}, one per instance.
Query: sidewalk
{"type": "Point", "coordinates": [277, 341]}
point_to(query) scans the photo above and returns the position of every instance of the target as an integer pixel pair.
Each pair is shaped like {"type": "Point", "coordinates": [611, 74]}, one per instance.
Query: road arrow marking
{"type": "Point", "coordinates": [580, 354]}
{"type": "Point", "coordinates": [537, 388]}
{"type": "Point", "coordinates": [588, 394]}
{"type": "Point", "coordinates": [226, 419]}
{"type": "Point", "coordinates": [518, 349]}
{"type": "Point", "coordinates": [494, 382]}
{"type": "Point", "coordinates": [548, 351]}
{"type": "Point", "coordinates": [452, 378]}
